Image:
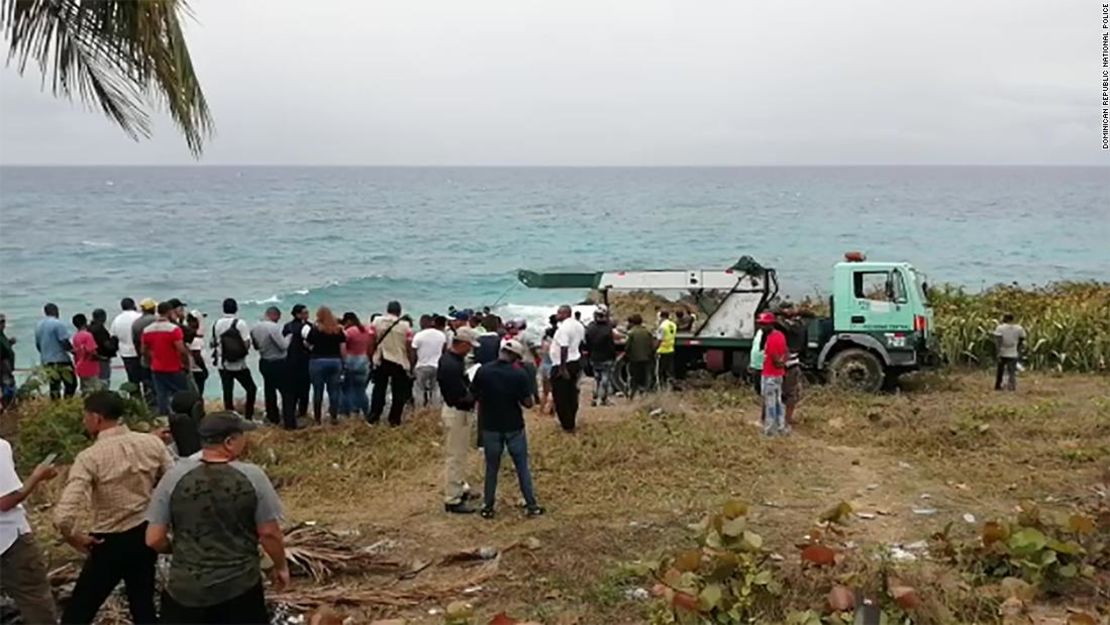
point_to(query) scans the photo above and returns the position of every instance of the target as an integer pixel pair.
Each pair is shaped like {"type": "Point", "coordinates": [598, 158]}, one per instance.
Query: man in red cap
{"type": "Point", "coordinates": [774, 369]}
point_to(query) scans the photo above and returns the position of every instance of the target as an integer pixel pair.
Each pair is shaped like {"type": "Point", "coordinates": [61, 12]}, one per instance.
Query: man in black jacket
{"type": "Point", "coordinates": [603, 353]}
{"type": "Point", "coordinates": [458, 418]}
{"type": "Point", "coordinates": [296, 369]}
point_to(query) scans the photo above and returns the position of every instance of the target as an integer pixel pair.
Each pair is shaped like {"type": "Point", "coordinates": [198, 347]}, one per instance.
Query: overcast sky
{"type": "Point", "coordinates": [613, 82]}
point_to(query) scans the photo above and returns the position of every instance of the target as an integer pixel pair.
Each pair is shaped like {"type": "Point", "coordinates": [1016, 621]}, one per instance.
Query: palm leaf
{"type": "Point", "coordinates": [121, 56]}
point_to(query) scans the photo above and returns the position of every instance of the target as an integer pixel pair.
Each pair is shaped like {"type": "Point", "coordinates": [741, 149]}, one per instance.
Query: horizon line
{"type": "Point", "coordinates": [550, 166]}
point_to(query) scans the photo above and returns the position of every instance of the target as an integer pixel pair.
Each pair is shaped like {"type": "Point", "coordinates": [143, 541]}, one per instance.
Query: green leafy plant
{"type": "Point", "coordinates": [55, 426]}
{"type": "Point", "coordinates": [1068, 323]}
{"type": "Point", "coordinates": [1048, 551]}
{"type": "Point", "coordinates": [725, 579]}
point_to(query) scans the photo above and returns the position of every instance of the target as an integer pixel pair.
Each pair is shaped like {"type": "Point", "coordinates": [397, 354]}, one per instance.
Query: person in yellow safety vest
{"type": "Point", "coordinates": [664, 337]}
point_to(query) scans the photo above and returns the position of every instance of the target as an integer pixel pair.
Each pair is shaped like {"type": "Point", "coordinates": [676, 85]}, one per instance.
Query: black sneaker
{"type": "Point", "coordinates": [459, 508]}
{"type": "Point", "coordinates": [534, 511]}
{"type": "Point", "coordinates": [487, 513]}
{"type": "Point", "coordinates": [471, 496]}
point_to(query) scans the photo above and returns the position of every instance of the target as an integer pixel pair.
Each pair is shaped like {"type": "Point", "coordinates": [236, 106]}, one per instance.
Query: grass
{"type": "Point", "coordinates": [626, 486]}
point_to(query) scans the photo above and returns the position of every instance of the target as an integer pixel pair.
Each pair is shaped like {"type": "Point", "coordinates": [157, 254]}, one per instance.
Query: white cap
{"type": "Point", "coordinates": [513, 346]}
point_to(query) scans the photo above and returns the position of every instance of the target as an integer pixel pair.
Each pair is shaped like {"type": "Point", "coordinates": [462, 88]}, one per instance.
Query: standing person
{"type": "Point", "coordinates": [602, 348]}
{"type": "Point", "coordinates": [567, 356]}
{"type": "Point", "coordinates": [639, 351]}
{"type": "Point", "coordinates": [755, 359]}
{"type": "Point", "coordinates": [665, 336]}
{"type": "Point", "coordinates": [148, 316]}
{"type": "Point", "coordinates": [356, 367]}
{"type": "Point", "coordinates": [106, 346]}
{"type": "Point", "coordinates": [489, 341]}
{"type": "Point", "coordinates": [296, 368]}
{"type": "Point", "coordinates": [547, 365]}
{"type": "Point", "coordinates": [231, 342]}
{"type": "Point", "coordinates": [86, 363]}
{"type": "Point", "coordinates": [195, 342]}
{"type": "Point", "coordinates": [391, 349]}
{"type": "Point", "coordinates": [52, 341]}
{"type": "Point", "coordinates": [458, 418]}
{"type": "Point", "coordinates": [120, 331]}
{"type": "Point", "coordinates": [1009, 338]}
{"type": "Point", "coordinates": [774, 369]}
{"type": "Point", "coordinates": [148, 306]}
{"type": "Point", "coordinates": [502, 391]}
{"type": "Point", "coordinates": [7, 365]}
{"type": "Point", "coordinates": [22, 565]}
{"type": "Point", "coordinates": [327, 344]}
{"type": "Point", "coordinates": [110, 483]}
{"type": "Point", "coordinates": [163, 345]}
{"type": "Point", "coordinates": [428, 345]}
{"type": "Point", "coordinates": [794, 329]}
{"type": "Point", "coordinates": [219, 510]}
{"type": "Point", "coordinates": [272, 344]}
{"type": "Point", "coordinates": [517, 329]}
{"type": "Point", "coordinates": [683, 321]}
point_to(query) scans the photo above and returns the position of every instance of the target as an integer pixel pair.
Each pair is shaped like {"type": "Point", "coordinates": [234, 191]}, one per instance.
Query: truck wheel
{"type": "Point", "coordinates": [856, 369]}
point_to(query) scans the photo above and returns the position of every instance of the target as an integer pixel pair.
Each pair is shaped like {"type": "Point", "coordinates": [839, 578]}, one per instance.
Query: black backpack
{"type": "Point", "coordinates": [232, 346]}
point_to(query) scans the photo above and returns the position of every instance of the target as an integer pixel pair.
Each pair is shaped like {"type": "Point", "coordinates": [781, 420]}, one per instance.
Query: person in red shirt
{"type": "Point", "coordinates": [164, 344]}
{"type": "Point", "coordinates": [774, 369]}
{"type": "Point", "coordinates": [86, 362]}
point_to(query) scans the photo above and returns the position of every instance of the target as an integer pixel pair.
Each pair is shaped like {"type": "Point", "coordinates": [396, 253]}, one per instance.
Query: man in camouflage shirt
{"type": "Point", "coordinates": [219, 510]}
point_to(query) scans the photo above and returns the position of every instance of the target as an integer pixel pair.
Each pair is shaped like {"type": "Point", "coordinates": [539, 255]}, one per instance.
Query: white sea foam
{"type": "Point", "coordinates": [273, 299]}
{"type": "Point", "coordinates": [537, 316]}
{"type": "Point", "coordinates": [97, 244]}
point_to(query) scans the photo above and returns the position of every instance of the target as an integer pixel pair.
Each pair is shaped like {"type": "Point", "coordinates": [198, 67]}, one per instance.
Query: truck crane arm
{"type": "Point", "coordinates": [650, 280]}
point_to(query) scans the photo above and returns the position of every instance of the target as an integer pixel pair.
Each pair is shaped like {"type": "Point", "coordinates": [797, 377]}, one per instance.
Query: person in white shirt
{"type": "Point", "coordinates": [22, 566]}
{"type": "Point", "coordinates": [428, 345]}
{"type": "Point", "coordinates": [233, 366]}
{"type": "Point", "coordinates": [566, 356]}
{"type": "Point", "coordinates": [1009, 338]}
{"type": "Point", "coordinates": [121, 331]}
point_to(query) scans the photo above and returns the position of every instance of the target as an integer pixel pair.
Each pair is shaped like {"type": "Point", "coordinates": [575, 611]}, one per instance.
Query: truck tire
{"type": "Point", "coordinates": [856, 369]}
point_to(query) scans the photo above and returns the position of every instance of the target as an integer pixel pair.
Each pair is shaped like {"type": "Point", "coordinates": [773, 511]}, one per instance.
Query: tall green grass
{"type": "Point", "coordinates": [1068, 324]}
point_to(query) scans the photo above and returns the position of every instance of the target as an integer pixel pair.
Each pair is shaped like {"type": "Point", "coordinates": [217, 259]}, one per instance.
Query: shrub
{"type": "Point", "coordinates": [47, 427]}
{"type": "Point", "coordinates": [1050, 552]}
{"type": "Point", "coordinates": [1068, 324]}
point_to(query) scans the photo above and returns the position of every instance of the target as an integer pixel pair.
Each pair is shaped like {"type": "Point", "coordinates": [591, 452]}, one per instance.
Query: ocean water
{"type": "Point", "coordinates": [354, 238]}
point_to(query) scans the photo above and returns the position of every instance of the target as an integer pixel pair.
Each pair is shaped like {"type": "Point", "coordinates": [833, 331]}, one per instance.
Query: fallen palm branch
{"type": "Point", "coordinates": [321, 553]}
{"type": "Point", "coordinates": [346, 595]}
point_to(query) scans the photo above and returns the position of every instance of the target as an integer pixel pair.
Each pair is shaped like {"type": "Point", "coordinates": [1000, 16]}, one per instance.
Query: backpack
{"type": "Point", "coordinates": [232, 346]}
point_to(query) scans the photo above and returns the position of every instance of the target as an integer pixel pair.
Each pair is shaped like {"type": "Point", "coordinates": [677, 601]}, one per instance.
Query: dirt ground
{"type": "Point", "coordinates": [624, 487]}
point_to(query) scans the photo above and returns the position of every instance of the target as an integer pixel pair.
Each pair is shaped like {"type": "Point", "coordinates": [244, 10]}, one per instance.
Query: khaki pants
{"type": "Point", "coordinates": [23, 578]}
{"type": "Point", "coordinates": [457, 426]}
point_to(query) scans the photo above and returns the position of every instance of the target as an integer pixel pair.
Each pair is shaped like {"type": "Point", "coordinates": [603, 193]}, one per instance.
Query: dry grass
{"type": "Point", "coordinates": [627, 484]}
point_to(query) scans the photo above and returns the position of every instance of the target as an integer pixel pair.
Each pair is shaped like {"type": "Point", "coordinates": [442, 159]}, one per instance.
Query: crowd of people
{"type": "Point", "coordinates": [185, 489]}
{"type": "Point", "coordinates": [126, 499]}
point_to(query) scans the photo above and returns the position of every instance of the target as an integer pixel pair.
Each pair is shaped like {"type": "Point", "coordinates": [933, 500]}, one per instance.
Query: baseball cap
{"type": "Point", "coordinates": [222, 424]}
{"type": "Point", "coordinates": [148, 304]}
{"type": "Point", "coordinates": [466, 335]}
{"type": "Point", "coordinates": [176, 303]}
{"type": "Point", "coordinates": [513, 346]}
{"type": "Point", "coordinates": [766, 318]}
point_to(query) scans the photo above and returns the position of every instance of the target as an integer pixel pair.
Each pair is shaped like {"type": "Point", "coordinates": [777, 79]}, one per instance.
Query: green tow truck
{"type": "Point", "coordinates": [880, 326]}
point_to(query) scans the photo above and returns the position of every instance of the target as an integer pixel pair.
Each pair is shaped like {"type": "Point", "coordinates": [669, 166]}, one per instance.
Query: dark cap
{"type": "Point", "coordinates": [220, 425]}
{"type": "Point", "coordinates": [176, 303]}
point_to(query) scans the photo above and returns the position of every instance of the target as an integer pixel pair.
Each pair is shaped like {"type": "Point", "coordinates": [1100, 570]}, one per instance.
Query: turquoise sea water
{"type": "Point", "coordinates": [354, 238]}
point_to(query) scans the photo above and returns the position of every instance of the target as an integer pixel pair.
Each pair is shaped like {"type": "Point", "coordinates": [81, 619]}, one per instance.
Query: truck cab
{"type": "Point", "coordinates": [881, 323]}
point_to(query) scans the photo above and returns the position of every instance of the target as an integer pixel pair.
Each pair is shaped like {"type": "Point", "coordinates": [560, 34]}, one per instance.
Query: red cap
{"type": "Point", "coordinates": [766, 318]}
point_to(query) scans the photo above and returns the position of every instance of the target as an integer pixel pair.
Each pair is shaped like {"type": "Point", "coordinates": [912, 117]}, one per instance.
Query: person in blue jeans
{"type": "Point", "coordinates": [503, 391]}
{"type": "Point", "coordinates": [356, 367]}
{"type": "Point", "coordinates": [327, 347]}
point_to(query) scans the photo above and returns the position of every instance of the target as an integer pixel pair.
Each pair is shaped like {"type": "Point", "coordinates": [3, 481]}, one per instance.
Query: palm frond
{"type": "Point", "coordinates": [121, 56]}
